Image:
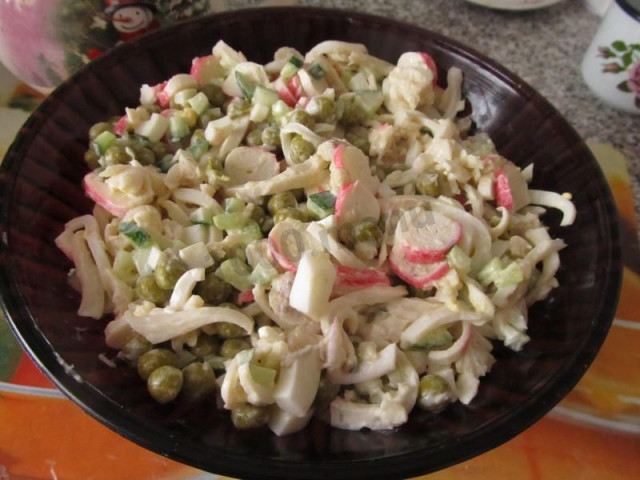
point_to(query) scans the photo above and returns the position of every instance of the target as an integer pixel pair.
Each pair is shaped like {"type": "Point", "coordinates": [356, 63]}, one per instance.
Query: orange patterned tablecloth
{"type": "Point", "coordinates": [593, 434]}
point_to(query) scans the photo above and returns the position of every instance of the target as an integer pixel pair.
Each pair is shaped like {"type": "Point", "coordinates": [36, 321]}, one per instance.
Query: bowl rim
{"type": "Point", "coordinates": [93, 401]}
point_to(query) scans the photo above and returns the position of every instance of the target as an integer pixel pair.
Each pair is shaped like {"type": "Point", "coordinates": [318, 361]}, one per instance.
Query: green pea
{"type": "Point", "coordinates": [300, 149]}
{"type": "Point", "coordinates": [271, 136]}
{"type": "Point", "coordinates": [116, 155]}
{"type": "Point", "coordinates": [280, 201]}
{"type": "Point", "coordinates": [191, 116]}
{"type": "Point", "coordinates": [99, 128]}
{"type": "Point", "coordinates": [197, 136]}
{"type": "Point", "coordinates": [168, 272]}
{"type": "Point", "coordinates": [159, 149]}
{"type": "Point", "coordinates": [254, 137]}
{"type": "Point", "coordinates": [299, 194]}
{"type": "Point", "coordinates": [360, 142]}
{"type": "Point", "coordinates": [346, 234]}
{"type": "Point", "coordinates": [214, 93]}
{"type": "Point", "coordinates": [431, 384]}
{"type": "Point", "coordinates": [229, 330]}
{"type": "Point", "coordinates": [302, 117]}
{"type": "Point", "coordinates": [368, 231]}
{"type": "Point", "coordinates": [293, 213]}
{"type": "Point", "coordinates": [256, 213]}
{"type": "Point", "coordinates": [249, 416]}
{"type": "Point", "coordinates": [205, 345]}
{"type": "Point", "coordinates": [352, 112]}
{"type": "Point", "coordinates": [419, 292]}
{"type": "Point", "coordinates": [231, 346]}
{"type": "Point", "coordinates": [154, 359]}
{"type": "Point", "coordinates": [213, 290]}
{"type": "Point", "coordinates": [326, 109]}
{"type": "Point", "coordinates": [206, 117]}
{"type": "Point", "coordinates": [267, 225]}
{"type": "Point", "coordinates": [427, 184]}
{"type": "Point", "coordinates": [135, 347]}
{"type": "Point", "coordinates": [212, 160]}
{"type": "Point", "coordinates": [164, 383]}
{"type": "Point", "coordinates": [92, 159]}
{"type": "Point", "coordinates": [199, 381]}
{"type": "Point", "coordinates": [148, 289]}
{"type": "Point", "coordinates": [238, 107]}
{"type": "Point", "coordinates": [145, 156]}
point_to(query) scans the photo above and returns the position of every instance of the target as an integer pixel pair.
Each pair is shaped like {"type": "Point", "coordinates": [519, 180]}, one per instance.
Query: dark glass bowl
{"type": "Point", "coordinates": [41, 190]}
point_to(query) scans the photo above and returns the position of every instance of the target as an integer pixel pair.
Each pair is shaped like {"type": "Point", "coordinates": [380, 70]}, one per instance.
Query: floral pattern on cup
{"type": "Point", "coordinates": [622, 57]}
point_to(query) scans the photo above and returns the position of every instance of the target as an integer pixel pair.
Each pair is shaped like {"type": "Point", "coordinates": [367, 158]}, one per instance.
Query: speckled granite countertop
{"type": "Point", "coordinates": [544, 47]}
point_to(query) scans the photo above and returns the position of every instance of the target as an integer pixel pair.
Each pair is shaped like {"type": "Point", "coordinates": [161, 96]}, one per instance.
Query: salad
{"type": "Point", "coordinates": [321, 235]}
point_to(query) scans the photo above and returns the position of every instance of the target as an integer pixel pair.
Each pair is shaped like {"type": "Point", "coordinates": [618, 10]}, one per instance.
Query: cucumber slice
{"type": "Point", "coordinates": [246, 85]}
{"type": "Point", "coordinates": [370, 100]}
{"type": "Point", "coordinates": [230, 221]}
{"type": "Point", "coordinates": [296, 62]}
{"type": "Point", "coordinates": [103, 141]}
{"type": "Point", "coordinates": [316, 71]}
{"type": "Point", "coordinates": [439, 339]}
{"type": "Point", "coordinates": [264, 96]}
{"type": "Point", "coordinates": [199, 102]}
{"type": "Point", "coordinates": [288, 71]}
{"type": "Point", "coordinates": [137, 235]}
{"type": "Point", "coordinates": [202, 216]}
{"type": "Point", "coordinates": [236, 273]}
{"type": "Point", "coordinates": [321, 204]}
{"type": "Point", "coordinates": [178, 127]}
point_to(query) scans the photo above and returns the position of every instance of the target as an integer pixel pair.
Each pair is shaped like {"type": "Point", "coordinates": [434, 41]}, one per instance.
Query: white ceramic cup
{"type": "Point", "coordinates": [611, 65]}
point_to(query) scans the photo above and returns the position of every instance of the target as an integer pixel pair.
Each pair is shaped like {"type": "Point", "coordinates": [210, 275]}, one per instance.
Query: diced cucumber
{"type": "Point", "coordinates": [216, 362]}
{"type": "Point", "coordinates": [490, 272]}
{"type": "Point", "coordinates": [234, 205]}
{"type": "Point", "coordinates": [199, 102]}
{"type": "Point", "coordinates": [263, 274]}
{"type": "Point", "coordinates": [196, 256]}
{"type": "Point", "coordinates": [459, 260]}
{"type": "Point", "coordinates": [236, 273]}
{"type": "Point", "coordinates": [156, 256]}
{"type": "Point", "coordinates": [183, 96]}
{"type": "Point", "coordinates": [439, 339]}
{"type": "Point", "coordinates": [244, 356]}
{"type": "Point", "coordinates": [202, 216]}
{"type": "Point", "coordinates": [103, 141]}
{"type": "Point", "coordinates": [199, 149]}
{"type": "Point", "coordinates": [511, 275]}
{"type": "Point", "coordinates": [370, 100]}
{"type": "Point", "coordinates": [247, 85]}
{"type": "Point", "coordinates": [289, 70]}
{"type": "Point", "coordinates": [259, 113]}
{"type": "Point", "coordinates": [263, 375]}
{"type": "Point", "coordinates": [316, 71]}
{"type": "Point", "coordinates": [250, 232]}
{"type": "Point", "coordinates": [124, 267]}
{"type": "Point", "coordinates": [321, 204]}
{"type": "Point", "coordinates": [178, 127]}
{"type": "Point", "coordinates": [154, 128]}
{"type": "Point", "coordinates": [296, 62]}
{"type": "Point", "coordinates": [230, 221]}
{"type": "Point", "coordinates": [279, 110]}
{"type": "Point", "coordinates": [264, 96]}
{"type": "Point", "coordinates": [196, 233]}
{"type": "Point", "coordinates": [133, 232]}
{"type": "Point", "coordinates": [140, 258]}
